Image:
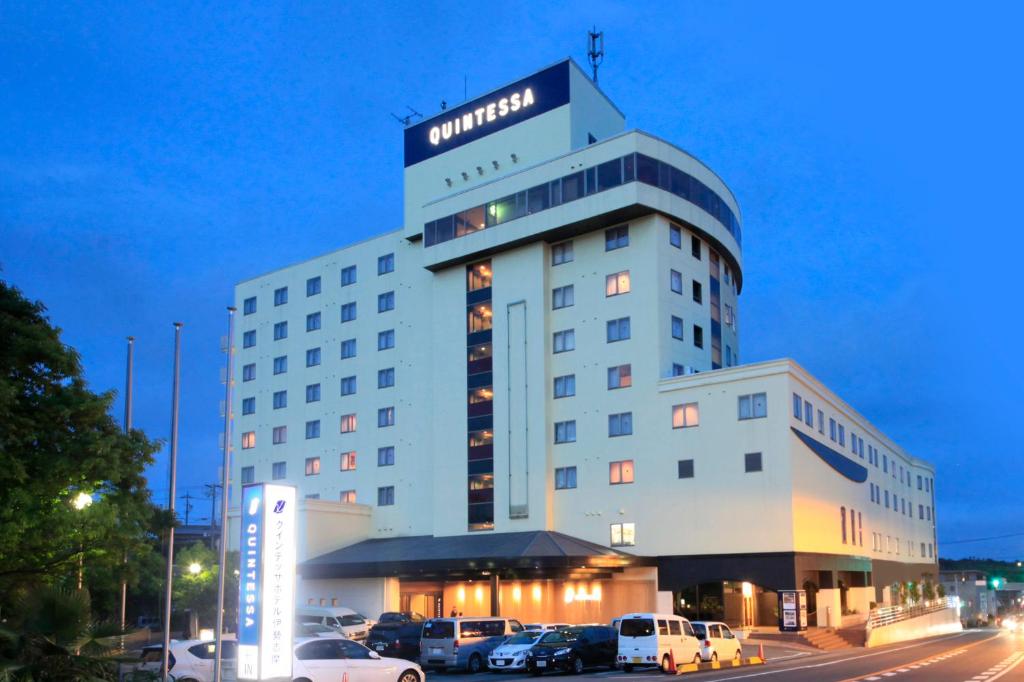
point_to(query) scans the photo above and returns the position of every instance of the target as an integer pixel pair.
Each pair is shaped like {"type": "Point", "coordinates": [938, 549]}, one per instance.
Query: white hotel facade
{"type": "Point", "coordinates": [530, 399]}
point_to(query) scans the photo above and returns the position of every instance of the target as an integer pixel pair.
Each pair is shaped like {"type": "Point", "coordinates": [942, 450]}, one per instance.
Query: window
{"type": "Point", "coordinates": [348, 312]}
{"type": "Point", "coordinates": [754, 406]}
{"type": "Point", "coordinates": [386, 377]}
{"type": "Point", "coordinates": [886, 499]}
{"type": "Point", "coordinates": [281, 364]}
{"type": "Point", "coordinates": [564, 341]}
{"type": "Point", "coordinates": [695, 247]}
{"type": "Point", "coordinates": [809, 416]}
{"type": "Point", "coordinates": [832, 428]}
{"type": "Point", "coordinates": [348, 496]}
{"type": "Point", "coordinates": [842, 521]}
{"type": "Point", "coordinates": [348, 385]}
{"type": "Point", "coordinates": [280, 331]}
{"type": "Point", "coordinates": [248, 405]}
{"type": "Point", "coordinates": [565, 386]}
{"type": "Point", "coordinates": [561, 253]}
{"type": "Point", "coordinates": [312, 357]}
{"type": "Point", "coordinates": [798, 406]}
{"type": "Point", "coordinates": [348, 461]}
{"type": "Point", "coordinates": [623, 534]}
{"type": "Point", "coordinates": [675, 236]}
{"type": "Point", "coordinates": [348, 275]}
{"type": "Point", "coordinates": [842, 435]}
{"type": "Point", "coordinates": [312, 322]}
{"type": "Point", "coordinates": [249, 306]}
{"type": "Point", "coordinates": [312, 286]}
{"type": "Point", "coordinates": [885, 463]}
{"type": "Point", "coordinates": [279, 470]}
{"type": "Point", "coordinates": [249, 372]}
{"type": "Point", "coordinates": [620, 472]}
{"type": "Point", "coordinates": [562, 297]}
{"type": "Point", "coordinates": [616, 238]}
{"type": "Point", "coordinates": [386, 496]}
{"type": "Point", "coordinates": [348, 423]}
{"type": "Point", "coordinates": [312, 466]}
{"type": "Point", "coordinates": [386, 339]}
{"type": "Point", "coordinates": [312, 429]}
{"type": "Point", "coordinates": [281, 296]}
{"type": "Point", "coordinates": [620, 377]}
{"type": "Point", "coordinates": [616, 283]}
{"type": "Point", "coordinates": [385, 301]}
{"type": "Point", "coordinates": [677, 328]}
{"type": "Point", "coordinates": [678, 370]}
{"type": "Point", "coordinates": [698, 336]}
{"type": "Point", "coordinates": [348, 349]}
{"type": "Point", "coordinates": [730, 318]}
{"type": "Point", "coordinates": [386, 456]}
{"type": "Point", "coordinates": [698, 292]}
{"type": "Point", "coordinates": [249, 339]}
{"type": "Point", "coordinates": [565, 478]}
{"type": "Point", "coordinates": [312, 393]}
{"type": "Point", "coordinates": [618, 330]}
{"type": "Point", "coordinates": [620, 424]}
{"type": "Point", "coordinates": [280, 399]}
{"type": "Point", "coordinates": [675, 281]}
{"type": "Point", "coordinates": [920, 482]}
{"type": "Point", "coordinates": [248, 474]}
{"type": "Point", "coordinates": [565, 432]}
{"type": "Point", "coordinates": [752, 462]}
{"type": "Point", "coordinates": [280, 435]}
{"type": "Point", "coordinates": [386, 264]}
{"type": "Point", "coordinates": [821, 422]}
{"type": "Point", "coordinates": [920, 512]}
{"type": "Point", "coordinates": [385, 417]}
{"type": "Point", "coordinates": [685, 415]}
{"type": "Point", "coordinates": [248, 440]}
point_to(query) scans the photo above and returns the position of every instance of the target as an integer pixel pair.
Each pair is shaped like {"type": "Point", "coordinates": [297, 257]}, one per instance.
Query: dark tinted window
{"type": "Point", "coordinates": [353, 649]}
{"type": "Point", "coordinates": [636, 627]}
{"type": "Point", "coordinates": [700, 630]}
{"type": "Point", "coordinates": [673, 627]}
{"type": "Point", "coordinates": [354, 619]}
{"type": "Point", "coordinates": [439, 629]}
{"type": "Point", "coordinates": [319, 650]}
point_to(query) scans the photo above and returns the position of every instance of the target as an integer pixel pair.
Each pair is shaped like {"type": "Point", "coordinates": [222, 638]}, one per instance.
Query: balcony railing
{"type": "Point", "coordinates": [887, 615]}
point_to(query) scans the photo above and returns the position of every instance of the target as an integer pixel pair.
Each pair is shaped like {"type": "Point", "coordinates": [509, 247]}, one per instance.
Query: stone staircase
{"type": "Point", "coordinates": [826, 639]}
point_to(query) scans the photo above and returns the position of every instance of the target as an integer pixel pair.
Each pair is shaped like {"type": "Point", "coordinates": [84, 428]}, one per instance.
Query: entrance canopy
{"type": "Point", "coordinates": [525, 555]}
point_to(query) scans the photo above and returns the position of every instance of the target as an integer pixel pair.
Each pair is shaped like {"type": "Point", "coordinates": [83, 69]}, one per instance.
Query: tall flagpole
{"type": "Point", "coordinates": [225, 481]}
{"type": "Point", "coordinates": [127, 430]}
{"type": "Point", "coordinates": [170, 504]}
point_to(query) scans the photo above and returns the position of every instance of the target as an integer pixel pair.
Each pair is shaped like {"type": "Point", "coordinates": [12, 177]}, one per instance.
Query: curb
{"type": "Point", "coordinates": [718, 665]}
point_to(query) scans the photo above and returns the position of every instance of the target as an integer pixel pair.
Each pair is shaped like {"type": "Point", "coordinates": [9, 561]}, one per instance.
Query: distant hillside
{"type": "Point", "coordinates": [1008, 570]}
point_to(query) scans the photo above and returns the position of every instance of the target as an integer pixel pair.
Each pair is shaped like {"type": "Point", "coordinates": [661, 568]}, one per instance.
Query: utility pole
{"type": "Point", "coordinates": [175, 396]}
{"type": "Point", "coordinates": [225, 481]}
{"type": "Point", "coordinates": [188, 504]}
{"type": "Point", "coordinates": [127, 430]}
{"type": "Point", "coordinates": [211, 492]}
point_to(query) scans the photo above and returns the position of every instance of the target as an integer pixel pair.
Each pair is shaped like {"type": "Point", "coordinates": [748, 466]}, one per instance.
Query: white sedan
{"type": "Point", "coordinates": [190, 660]}
{"type": "Point", "coordinates": [334, 660]}
{"type": "Point", "coordinates": [511, 654]}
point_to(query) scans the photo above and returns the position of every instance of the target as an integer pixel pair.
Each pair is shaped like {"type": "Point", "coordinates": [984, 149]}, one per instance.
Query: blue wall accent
{"type": "Point", "coordinates": [841, 463]}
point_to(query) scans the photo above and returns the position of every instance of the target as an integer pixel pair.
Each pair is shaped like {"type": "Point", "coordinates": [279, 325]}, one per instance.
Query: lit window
{"type": "Point", "coordinates": [312, 466]}
{"type": "Point", "coordinates": [312, 429]}
{"type": "Point", "coordinates": [249, 339]}
{"type": "Point", "coordinates": [677, 328]}
{"type": "Point", "coordinates": [348, 348]}
{"type": "Point", "coordinates": [386, 377]}
{"type": "Point", "coordinates": [620, 472]}
{"type": "Point", "coordinates": [279, 470]}
{"type": "Point", "coordinates": [562, 297]}
{"type": "Point", "coordinates": [479, 317]}
{"type": "Point", "coordinates": [675, 236]}
{"type": "Point", "coordinates": [385, 301]}
{"type": "Point", "coordinates": [616, 283]}
{"type": "Point", "coordinates": [617, 330]}
{"type": "Point", "coordinates": [281, 296]}
{"type": "Point", "coordinates": [348, 275]}
{"type": "Point", "coordinates": [620, 377]}
{"type": "Point", "coordinates": [248, 440]}
{"type": "Point", "coordinates": [312, 322]}
{"type": "Point", "coordinates": [280, 435]}
{"type": "Point", "coordinates": [280, 399]}
{"type": "Point", "coordinates": [280, 331]}
{"type": "Point", "coordinates": [752, 462]}
{"type": "Point", "coordinates": [348, 496]}
{"type": "Point", "coordinates": [564, 341]}
{"type": "Point", "coordinates": [685, 415]}
{"type": "Point", "coordinates": [561, 253]}
{"type": "Point", "coordinates": [386, 264]}
{"type": "Point", "coordinates": [479, 276]}
{"type": "Point", "coordinates": [480, 438]}
{"type": "Point", "coordinates": [753, 406]}
{"type": "Point", "coordinates": [249, 306]}
{"type": "Point", "coordinates": [348, 423]}
{"type": "Point", "coordinates": [312, 357]}
{"type": "Point", "coordinates": [248, 474]}
{"type": "Point", "coordinates": [675, 281]}
{"type": "Point", "coordinates": [386, 339]}
{"type": "Point", "coordinates": [565, 432]}
{"type": "Point", "coordinates": [386, 496]}
{"type": "Point", "coordinates": [348, 385]}
{"type": "Point", "coordinates": [565, 386]}
{"type": "Point", "coordinates": [248, 405]}
{"type": "Point", "coordinates": [348, 312]}
{"type": "Point", "coordinates": [312, 286]}
{"type": "Point", "coordinates": [281, 364]}
{"type": "Point", "coordinates": [565, 478]}
{"type": "Point", "coordinates": [620, 424]}
{"type": "Point", "coordinates": [386, 417]}
{"type": "Point", "coordinates": [249, 372]}
{"type": "Point", "coordinates": [386, 456]}
{"type": "Point", "coordinates": [686, 468]}
{"type": "Point", "coordinates": [616, 238]}
{"type": "Point", "coordinates": [623, 534]}
{"type": "Point", "coordinates": [348, 461]}
{"type": "Point", "coordinates": [313, 393]}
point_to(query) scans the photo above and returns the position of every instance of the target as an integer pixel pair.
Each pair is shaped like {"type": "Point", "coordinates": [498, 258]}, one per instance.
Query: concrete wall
{"type": "Point", "coordinates": [939, 623]}
{"type": "Point", "coordinates": [368, 596]}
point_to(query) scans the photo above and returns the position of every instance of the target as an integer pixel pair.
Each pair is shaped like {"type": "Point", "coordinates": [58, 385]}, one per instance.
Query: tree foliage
{"type": "Point", "coordinates": [198, 591]}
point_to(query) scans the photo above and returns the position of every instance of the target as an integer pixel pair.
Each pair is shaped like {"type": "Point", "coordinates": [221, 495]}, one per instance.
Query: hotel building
{"type": "Point", "coordinates": [530, 400]}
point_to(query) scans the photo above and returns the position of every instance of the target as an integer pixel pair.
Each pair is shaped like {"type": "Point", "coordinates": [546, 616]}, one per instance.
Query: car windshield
{"type": "Point", "coordinates": [439, 629]}
{"type": "Point", "coordinates": [354, 619]}
{"type": "Point", "coordinates": [524, 637]}
{"type": "Point", "coordinates": [700, 630]}
{"type": "Point", "coordinates": [559, 637]}
{"type": "Point", "coordinates": [636, 627]}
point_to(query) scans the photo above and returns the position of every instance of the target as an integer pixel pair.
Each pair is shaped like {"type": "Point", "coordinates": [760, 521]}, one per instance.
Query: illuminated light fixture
{"type": "Point", "coordinates": [81, 501]}
{"type": "Point", "coordinates": [570, 594]}
{"type": "Point", "coordinates": [479, 593]}
{"type": "Point", "coordinates": [495, 165]}
{"type": "Point", "coordinates": [195, 568]}
{"type": "Point", "coordinates": [536, 593]}
{"type": "Point", "coordinates": [492, 209]}
{"type": "Point", "coordinates": [461, 594]}
{"type": "Point", "coordinates": [517, 593]}
{"type": "Point", "coordinates": [748, 590]}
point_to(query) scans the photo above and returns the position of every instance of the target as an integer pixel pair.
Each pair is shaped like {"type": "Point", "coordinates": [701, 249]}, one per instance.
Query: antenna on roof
{"type": "Point", "coordinates": [595, 50]}
{"type": "Point", "coordinates": [408, 118]}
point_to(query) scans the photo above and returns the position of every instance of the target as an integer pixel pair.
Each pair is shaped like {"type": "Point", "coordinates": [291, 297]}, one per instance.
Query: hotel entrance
{"type": "Point", "coordinates": [426, 598]}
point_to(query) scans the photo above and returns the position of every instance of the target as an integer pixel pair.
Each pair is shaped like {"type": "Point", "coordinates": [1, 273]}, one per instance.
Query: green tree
{"type": "Point", "coordinates": [57, 440]}
{"type": "Point", "coordinates": [197, 591]}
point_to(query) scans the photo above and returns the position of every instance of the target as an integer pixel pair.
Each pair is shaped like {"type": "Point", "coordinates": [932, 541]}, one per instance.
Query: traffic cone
{"type": "Point", "coordinates": [760, 653]}
{"type": "Point", "coordinates": [672, 661]}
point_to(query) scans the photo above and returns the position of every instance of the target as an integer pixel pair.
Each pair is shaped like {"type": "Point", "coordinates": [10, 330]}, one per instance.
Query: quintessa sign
{"type": "Point", "coordinates": [507, 106]}
{"type": "Point", "coordinates": [487, 113]}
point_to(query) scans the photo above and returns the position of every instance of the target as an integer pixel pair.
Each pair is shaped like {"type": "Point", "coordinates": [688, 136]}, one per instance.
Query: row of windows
{"type": "Point", "coordinates": [900, 505]}
{"type": "Point", "coordinates": [385, 264]}
{"type": "Point", "coordinates": [279, 399]}
{"type": "Point", "coordinates": [891, 545]}
{"type": "Point", "coordinates": [385, 494]}
{"type": "Point", "coordinates": [313, 321]}
{"type": "Point", "coordinates": [385, 341]}
{"type": "Point", "coordinates": [623, 471]}
{"type": "Point", "coordinates": [385, 418]}
{"type": "Point", "coordinates": [347, 462]}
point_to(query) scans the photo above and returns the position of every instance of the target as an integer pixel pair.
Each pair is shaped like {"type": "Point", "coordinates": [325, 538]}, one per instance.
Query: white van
{"type": "Point", "coordinates": [653, 639]}
{"type": "Point", "coordinates": [343, 620]}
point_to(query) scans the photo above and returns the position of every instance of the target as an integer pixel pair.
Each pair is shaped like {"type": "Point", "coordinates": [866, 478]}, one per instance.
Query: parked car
{"type": "Point", "coordinates": [401, 617]}
{"type": "Point", "coordinates": [717, 641]}
{"type": "Point", "coordinates": [334, 659]}
{"type": "Point", "coordinates": [190, 660]}
{"type": "Point", "coordinates": [545, 626]}
{"type": "Point", "coordinates": [511, 654]}
{"type": "Point", "coordinates": [344, 620]}
{"type": "Point", "coordinates": [315, 630]}
{"type": "Point", "coordinates": [574, 649]}
{"type": "Point", "coordinates": [645, 639]}
{"type": "Point", "coordinates": [397, 635]}
{"type": "Point", "coordinates": [463, 642]}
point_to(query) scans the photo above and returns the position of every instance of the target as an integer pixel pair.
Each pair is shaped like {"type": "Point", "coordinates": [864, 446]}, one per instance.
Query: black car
{"type": "Point", "coordinates": [574, 649]}
{"type": "Point", "coordinates": [397, 636]}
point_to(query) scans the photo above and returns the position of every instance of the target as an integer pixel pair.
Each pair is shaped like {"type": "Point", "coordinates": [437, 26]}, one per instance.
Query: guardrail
{"type": "Point", "coordinates": [888, 615]}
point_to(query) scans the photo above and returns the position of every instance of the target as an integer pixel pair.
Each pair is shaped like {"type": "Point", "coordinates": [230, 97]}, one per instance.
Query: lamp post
{"type": "Point", "coordinates": [195, 568]}
{"type": "Point", "coordinates": [168, 584]}
{"type": "Point", "coordinates": [81, 501]}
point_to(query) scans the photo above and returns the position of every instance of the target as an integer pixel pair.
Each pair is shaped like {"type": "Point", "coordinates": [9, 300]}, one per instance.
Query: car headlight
{"type": "Point", "coordinates": [564, 651]}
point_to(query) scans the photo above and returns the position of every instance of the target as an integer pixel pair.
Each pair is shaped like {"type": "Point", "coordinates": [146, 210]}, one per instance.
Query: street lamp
{"type": "Point", "coordinates": [195, 568]}
{"type": "Point", "coordinates": [81, 501]}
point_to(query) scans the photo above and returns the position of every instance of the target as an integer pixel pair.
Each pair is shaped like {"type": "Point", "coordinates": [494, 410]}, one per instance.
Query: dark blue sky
{"type": "Point", "coordinates": [151, 156]}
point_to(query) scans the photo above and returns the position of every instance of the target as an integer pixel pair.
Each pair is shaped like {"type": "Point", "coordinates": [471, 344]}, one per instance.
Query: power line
{"type": "Point", "coordinates": [992, 537]}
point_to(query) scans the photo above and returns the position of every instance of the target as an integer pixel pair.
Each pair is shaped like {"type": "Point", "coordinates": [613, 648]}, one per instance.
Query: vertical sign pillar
{"type": "Point", "coordinates": [266, 602]}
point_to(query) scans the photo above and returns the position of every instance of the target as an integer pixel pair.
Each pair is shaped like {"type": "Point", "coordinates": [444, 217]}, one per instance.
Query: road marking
{"type": "Point", "coordinates": [1019, 656]}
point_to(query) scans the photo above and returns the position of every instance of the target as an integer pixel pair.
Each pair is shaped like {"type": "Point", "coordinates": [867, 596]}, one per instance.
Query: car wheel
{"type": "Point", "coordinates": [577, 665]}
{"type": "Point", "coordinates": [474, 664]}
{"type": "Point", "coordinates": [409, 676]}
{"type": "Point", "coordinates": [738, 656]}
{"type": "Point", "coordinates": [627, 668]}
{"type": "Point", "coordinates": [665, 665]}
{"type": "Point", "coordinates": [301, 679]}
{"type": "Point", "coordinates": [697, 658]}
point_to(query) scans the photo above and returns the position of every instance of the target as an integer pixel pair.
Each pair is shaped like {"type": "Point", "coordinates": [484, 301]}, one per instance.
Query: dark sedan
{"type": "Point", "coordinates": [397, 637]}
{"type": "Point", "coordinates": [574, 649]}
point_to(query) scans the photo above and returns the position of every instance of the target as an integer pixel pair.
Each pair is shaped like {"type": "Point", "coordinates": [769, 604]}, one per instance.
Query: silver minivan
{"type": "Point", "coordinates": [463, 642]}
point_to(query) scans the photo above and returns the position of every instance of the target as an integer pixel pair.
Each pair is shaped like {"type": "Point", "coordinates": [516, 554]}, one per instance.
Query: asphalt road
{"type": "Point", "coordinates": [972, 656]}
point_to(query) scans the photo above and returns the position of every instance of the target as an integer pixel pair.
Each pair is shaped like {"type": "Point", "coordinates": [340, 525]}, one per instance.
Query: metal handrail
{"type": "Point", "coordinates": [887, 615]}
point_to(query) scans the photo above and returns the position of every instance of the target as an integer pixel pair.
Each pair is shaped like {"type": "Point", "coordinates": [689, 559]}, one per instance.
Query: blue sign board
{"type": "Point", "coordinates": [497, 110]}
{"type": "Point", "coordinates": [251, 559]}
